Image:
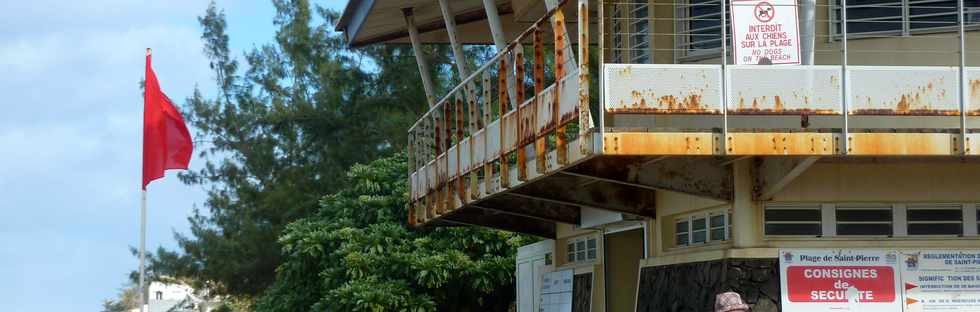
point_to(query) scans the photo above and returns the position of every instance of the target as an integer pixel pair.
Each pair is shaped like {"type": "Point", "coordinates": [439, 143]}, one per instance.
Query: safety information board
{"type": "Point", "coordinates": [941, 280]}
{"type": "Point", "coordinates": [839, 280]}
{"type": "Point", "coordinates": [556, 292]}
{"type": "Point", "coordinates": [765, 32]}
{"type": "Point", "coordinates": [880, 280]}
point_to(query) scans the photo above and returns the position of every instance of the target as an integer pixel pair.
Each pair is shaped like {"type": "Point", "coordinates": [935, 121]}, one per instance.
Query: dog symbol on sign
{"type": "Point", "coordinates": [764, 12]}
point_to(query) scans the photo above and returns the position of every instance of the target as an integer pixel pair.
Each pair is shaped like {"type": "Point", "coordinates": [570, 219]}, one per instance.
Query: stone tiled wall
{"type": "Point", "coordinates": [691, 287]}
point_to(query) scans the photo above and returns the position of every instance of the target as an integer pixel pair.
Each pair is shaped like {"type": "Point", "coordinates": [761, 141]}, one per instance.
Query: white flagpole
{"type": "Point", "coordinates": [143, 251]}
{"type": "Point", "coordinates": [142, 289]}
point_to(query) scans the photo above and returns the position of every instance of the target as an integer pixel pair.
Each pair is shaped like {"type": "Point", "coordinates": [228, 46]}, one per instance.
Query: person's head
{"type": "Point", "coordinates": [730, 302]}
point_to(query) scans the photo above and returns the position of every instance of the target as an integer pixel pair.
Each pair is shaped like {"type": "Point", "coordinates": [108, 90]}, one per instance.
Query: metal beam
{"type": "Point", "coordinates": [773, 174]}
{"type": "Point", "coordinates": [507, 222]}
{"type": "Point", "coordinates": [569, 189]}
{"type": "Point", "coordinates": [413, 33]}
{"type": "Point", "coordinates": [533, 208]}
{"type": "Point", "coordinates": [698, 176]}
{"type": "Point", "coordinates": [593, 179]}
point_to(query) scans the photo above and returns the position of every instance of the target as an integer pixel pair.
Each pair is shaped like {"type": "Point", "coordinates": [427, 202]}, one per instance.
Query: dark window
{"type": "Point", "coordinates": [943, 219]}
{"type": "Point", "coordinates": [682, 231]}
{"type": "Point", "coordinates": [630, 25]}
{"type": "Point", "coordinates": [886, 16]}
{"type": "Point", "coordinates": [871, 16]}
{"type": "Point", "coordinates": [864, 220]}
{"type": "Point", "coordinates": [699, 232]}
{"type": "Point", "coordinates": [702, 26]}
{"type": "Point", "coordinates": [793, 219]}
{"type": "Point", "coordinates": [718, 227]}
{"type": "Point", "coordinates": [793, 229]}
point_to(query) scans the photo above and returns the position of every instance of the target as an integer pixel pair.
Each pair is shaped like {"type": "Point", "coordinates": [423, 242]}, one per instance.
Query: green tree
{"type": "Point", "coordinates": [281, 132]}
{"type": "Point", "coordinates": [358, 254]}
{"type": "Point", "coordinates": [127, 300]}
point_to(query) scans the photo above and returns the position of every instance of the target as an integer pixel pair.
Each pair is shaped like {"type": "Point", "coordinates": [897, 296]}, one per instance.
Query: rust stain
{"type": "Point", "coordinates": [916, 102]}
{"type": "Point", "coordinates": [974, 96]}
{"type": "Point", "coordinates": [769, 111]}
{"type": "Point", "coordinates": [760, 106]}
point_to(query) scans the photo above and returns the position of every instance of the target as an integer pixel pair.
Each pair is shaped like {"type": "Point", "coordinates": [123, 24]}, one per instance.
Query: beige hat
{"type": "Point", "coordinates": [729, 301]}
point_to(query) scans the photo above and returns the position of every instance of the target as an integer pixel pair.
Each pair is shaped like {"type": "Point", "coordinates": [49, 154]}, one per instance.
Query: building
{"type": "Point", "coordinates": [175, 297]}
{"type": "Point", "coordinates": [666, 174]}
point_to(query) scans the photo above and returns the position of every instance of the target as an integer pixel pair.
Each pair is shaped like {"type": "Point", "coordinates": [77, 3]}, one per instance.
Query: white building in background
{"type": "Point", "coordinates": [176, 297]}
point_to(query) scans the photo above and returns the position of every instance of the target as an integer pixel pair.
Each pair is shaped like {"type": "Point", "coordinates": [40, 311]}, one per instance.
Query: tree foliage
{"type": "Point", "coordinates": [282, 130]}
{"type": "Point", "coordinates": [128, 299]}
{"type": "Point", "coordinates": [358, 254]}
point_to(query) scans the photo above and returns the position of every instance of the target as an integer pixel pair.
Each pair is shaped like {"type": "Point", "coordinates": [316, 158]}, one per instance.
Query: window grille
{"type": "Point", "coordinates": [939, 219]}
{"type": "Point", "coordinates": [698, 28]}
{"type": "Point", "coordinates": [891, 17]}
{"type": "Point", "coordinates": [703, 227]}
{"type": "Point", "coordinates": [864, 219]}
{"type": "Point", "coordinates": [582, 249]}
{"type": "Point", "coordinates": [793, 219]}
{"type": "Point", "coordinates": [631, 32]}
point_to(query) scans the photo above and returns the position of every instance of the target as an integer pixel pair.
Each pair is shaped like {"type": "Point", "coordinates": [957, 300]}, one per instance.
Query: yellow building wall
{"type": "Point", "coordinates": [928, 181]}
{"type": "Point", "coordinates": [908, 182]}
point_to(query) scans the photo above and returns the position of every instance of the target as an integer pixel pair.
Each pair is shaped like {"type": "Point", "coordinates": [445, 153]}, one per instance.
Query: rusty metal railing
{"type": "Point", "coordinates": [462, 141]}
{"type": "Point", "coordinates": [906, 73]}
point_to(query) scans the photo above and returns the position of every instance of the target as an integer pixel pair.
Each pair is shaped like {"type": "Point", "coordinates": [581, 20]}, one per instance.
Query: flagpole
{"type": "Point", "coordinates": [142, 251]}
{"type": "Point", "coordinates": [143, 294]}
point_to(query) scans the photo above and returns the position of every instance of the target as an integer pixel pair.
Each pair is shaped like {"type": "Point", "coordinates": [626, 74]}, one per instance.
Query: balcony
{"type": "Point", "coordinates": [509, 148]}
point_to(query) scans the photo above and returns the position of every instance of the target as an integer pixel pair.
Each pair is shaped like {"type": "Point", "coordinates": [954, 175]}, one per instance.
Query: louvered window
{"type": "Point", "coordinates": [938, 219]}
{"type": "Point", "coordinates": [793, 219]}
{"type": "Point", "coordinates": [864, 219]}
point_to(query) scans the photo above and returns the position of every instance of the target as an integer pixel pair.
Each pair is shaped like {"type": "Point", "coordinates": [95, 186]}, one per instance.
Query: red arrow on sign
{"type": "Point", "coordinates": [910, 286]}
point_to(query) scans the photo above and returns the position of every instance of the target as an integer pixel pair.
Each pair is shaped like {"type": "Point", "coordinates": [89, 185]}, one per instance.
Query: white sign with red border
{"type": "Point", "coordinates": [765, 32]}
{"type": "Point", "coordinates": [840, 280]}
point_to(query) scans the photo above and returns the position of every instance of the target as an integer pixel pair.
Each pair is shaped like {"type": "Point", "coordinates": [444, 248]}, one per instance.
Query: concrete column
{"type": "Point", "coordinates": [497, 32]}
{"type": "Point", "coordinates": [808, 19]}
{"type": "Point", "coordinates": [746, 221]}
{"type": "Point", "coordinates": [450, 19]}
{"type": "Point", "coordinates": [413, 34]}
{"type": "Point", "coordinates": [496, 29]}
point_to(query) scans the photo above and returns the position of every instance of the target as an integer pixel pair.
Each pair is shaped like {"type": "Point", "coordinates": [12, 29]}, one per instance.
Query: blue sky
{"type": "Point", "coordinates": [70, 136]}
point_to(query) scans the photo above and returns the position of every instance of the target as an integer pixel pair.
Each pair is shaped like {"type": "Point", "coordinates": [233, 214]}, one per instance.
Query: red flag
{"type": "Point", "coordinates": [166, 142]}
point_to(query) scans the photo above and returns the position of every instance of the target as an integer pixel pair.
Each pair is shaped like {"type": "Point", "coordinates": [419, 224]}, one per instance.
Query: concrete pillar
{"type": "Point", "coordinates": [450, 19]}
{"type": "Point", "coordinates": [746, 219]}
{"type": "Point", "coordinates": [497, 32]}
{"type": "Point", "coordinates": [413, 34]}
{"type": "Point", "coordinates": [808, 24]}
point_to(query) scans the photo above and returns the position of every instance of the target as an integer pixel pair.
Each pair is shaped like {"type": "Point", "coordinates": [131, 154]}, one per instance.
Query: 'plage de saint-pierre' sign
{"type": "Point", "coordinates": [880, 280]}
{"type": "Point", "coordinates": [765, 32]}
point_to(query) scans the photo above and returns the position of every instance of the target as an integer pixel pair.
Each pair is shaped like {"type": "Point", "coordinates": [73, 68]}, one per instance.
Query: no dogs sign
{"type": "Point", "coordinates": [765, 32]}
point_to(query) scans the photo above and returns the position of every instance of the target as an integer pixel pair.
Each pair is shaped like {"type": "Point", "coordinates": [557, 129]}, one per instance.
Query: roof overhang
{"type": "Point", "coordinates": [365, 22]}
